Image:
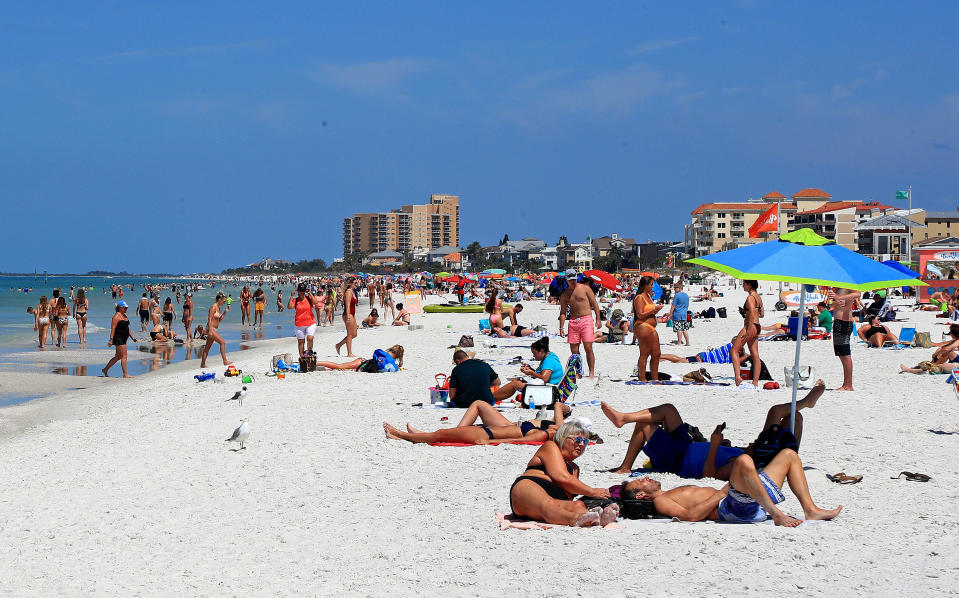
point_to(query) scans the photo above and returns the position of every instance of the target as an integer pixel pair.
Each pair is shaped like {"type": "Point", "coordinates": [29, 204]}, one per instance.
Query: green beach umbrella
{"type": "Point", "coordinates": [803, 257]}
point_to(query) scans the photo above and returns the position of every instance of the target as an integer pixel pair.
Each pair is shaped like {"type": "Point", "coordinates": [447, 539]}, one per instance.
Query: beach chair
{"type": "Point", "coordinates": [567, 386]}
{"type": "Point", "coordinates": [905, 339]}
{"type": "Point", "coordinates": [793, 326]}
{"type": "Point", "coordinates": [954, 380]}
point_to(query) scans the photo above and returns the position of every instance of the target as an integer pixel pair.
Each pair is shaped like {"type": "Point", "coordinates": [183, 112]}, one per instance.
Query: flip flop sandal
{"type": "Point", "coordinates": [912, 477]}
{"type": "Point", "coordinates": [842, 478]}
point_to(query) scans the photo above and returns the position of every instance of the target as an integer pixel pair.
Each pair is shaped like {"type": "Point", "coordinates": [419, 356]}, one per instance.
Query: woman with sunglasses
{"type": "Point", "coordinates": [545, 490]}
{"type": "Point", "coordinates": [495, 429]}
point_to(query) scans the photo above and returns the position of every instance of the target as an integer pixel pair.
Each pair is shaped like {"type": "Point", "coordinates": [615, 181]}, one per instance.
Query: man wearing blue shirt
{"type": "Point", "coordinates": [678, 314]}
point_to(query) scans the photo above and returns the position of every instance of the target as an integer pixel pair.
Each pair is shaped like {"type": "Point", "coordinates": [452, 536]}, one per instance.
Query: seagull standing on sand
{"type": "Point", "coordinates": [240, 434]}
{"type": "Point", "coordinates": [238, 397]}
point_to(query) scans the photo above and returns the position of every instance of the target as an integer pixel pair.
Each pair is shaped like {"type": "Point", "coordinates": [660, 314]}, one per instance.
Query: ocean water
{"type": "Point", "coordinates": [17, 334]}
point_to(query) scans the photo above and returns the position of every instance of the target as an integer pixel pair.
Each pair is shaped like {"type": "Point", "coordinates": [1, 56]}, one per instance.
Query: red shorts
{"type": "Point", "coordinates": [581, 330]}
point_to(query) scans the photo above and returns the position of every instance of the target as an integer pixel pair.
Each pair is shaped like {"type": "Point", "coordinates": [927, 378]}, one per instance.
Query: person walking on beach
{"type": "Point", "coordinates": [62, 320]}
{"type": "Point", "coordinates": [245, 296]}
{"type": "Point", "coordinates": [581, 300]}
{"type": "Point", "coordinates": [751, 311]}
{"type": "Point", "coordinates": [168, 314]}
{"type": "Point", "coordinates": [259, 306]}
{"type": "Point", "coordinates": [843, 301]}
{"type": "Point", "coordinates": [349, 316]}
{"type": "Point", "coordinates": [644, 329]}
{"type": "Point", "coordinates": [217, 312]}
{"type": "Point", "coordinates": [678, 314]}
{"type": "Point", "coordinates": [304, 322]}
{"type": "Point", "coordinates": [42, 320]}
{"type": "Point", "coordinates": [188, 315]}
{"type": "Point", "coordinates": [279, 300]}
{"type": "Point", "coordinates": [143, 310]}
{"type": "Point", "coordinates": [81, 305]}
{"type": "Point", "coordinates": [329, 306]}
{"type": "Point", "coordinates": [119, 333]}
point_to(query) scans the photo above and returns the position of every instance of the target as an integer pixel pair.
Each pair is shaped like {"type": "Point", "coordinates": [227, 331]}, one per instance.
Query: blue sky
{"type": "Point", "coordinates": [197, 136]}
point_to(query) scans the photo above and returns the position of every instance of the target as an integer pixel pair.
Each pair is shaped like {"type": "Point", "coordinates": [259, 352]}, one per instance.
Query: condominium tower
{"type": "Point", "coordinates": [428, 226]}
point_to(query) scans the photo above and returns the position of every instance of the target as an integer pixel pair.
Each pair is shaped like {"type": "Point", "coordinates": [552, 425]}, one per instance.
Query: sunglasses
{"type": "Point", "coordinates": [581, 440]}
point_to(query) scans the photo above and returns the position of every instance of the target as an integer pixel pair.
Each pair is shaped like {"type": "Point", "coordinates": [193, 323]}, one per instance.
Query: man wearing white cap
{"type": "Point", "coordinates": [581, 301]}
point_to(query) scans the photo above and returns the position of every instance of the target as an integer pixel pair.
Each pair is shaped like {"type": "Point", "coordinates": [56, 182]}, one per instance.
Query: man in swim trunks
{"type": "Point", "coordinates": [749, 497]}
{"type": "Point", "coordinates": [581, 300]}
{"type": "Point", "coordinates": [843, 301]}
{"type": "Point", "coordinates": [143, 309]}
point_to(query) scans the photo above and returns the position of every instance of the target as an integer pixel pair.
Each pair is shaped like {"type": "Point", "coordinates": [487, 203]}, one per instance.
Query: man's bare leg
{"type": "Point", "coordinates": [745, 479]}
{"type": "Point", "coordinates": [787, 466]}
{"type": "Point", "coordinates": [672, 358]}
{"type": "Point", "coordinates": [645, 422]}
{"type": "Point", "coordinates": [846, 361]}
{"type": "Point", "coordinates": [590, 358]}
{"type": "Point", "coordinates": [779, 414]}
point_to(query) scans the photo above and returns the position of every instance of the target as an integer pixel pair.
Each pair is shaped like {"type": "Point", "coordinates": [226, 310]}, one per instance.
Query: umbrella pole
{"type": "Point", "coordinates": [802, 321]}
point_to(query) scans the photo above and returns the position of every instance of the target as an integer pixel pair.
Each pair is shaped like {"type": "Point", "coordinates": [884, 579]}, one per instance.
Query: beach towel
{"type": "Point", "coordinates": [517, 522]}
{"type": "Point", "coordinates": [674, 383]}
{"type": "Point", "coordinates": [528, 442]}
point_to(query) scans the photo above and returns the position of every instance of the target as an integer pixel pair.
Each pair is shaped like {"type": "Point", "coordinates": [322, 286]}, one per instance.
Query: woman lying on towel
{"type": "Point", "coordinates": [495, 428]}
{"type": "Point", "coordinates": [390, 360]}
{"type": "Point", "coordinates": [545, 490]}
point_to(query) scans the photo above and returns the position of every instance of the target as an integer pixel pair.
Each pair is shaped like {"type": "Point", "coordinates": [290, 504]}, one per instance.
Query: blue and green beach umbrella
{"type": "Point", "coordinates": [804, 257]}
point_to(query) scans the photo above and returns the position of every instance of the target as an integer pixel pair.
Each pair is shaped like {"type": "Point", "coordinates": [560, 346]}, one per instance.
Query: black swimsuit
{"type": "Point", "coordinates": [121, 333]}
{"type": "Point", "coordinates": [553, 490]}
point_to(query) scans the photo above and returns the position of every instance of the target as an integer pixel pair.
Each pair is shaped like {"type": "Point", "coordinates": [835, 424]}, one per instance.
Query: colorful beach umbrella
{"type": "Point", "coordinates": [443, 275]}
{"type": "Point", "coordinates": [901, 268]}
{"type": "Point", "coordinates": [604, 279]}
{"type": "Point", "coordinates": [803, 257]}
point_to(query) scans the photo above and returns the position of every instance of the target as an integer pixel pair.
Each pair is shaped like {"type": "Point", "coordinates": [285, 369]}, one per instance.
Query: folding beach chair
{"type": "Point", "coordinates": [954, 380]}
{"type": "Point", "coordinates": [793, 326]}
{"type": "Point", "coordinates": [905, 339]}
{"type": "Point", "coordinates": [567, 386]}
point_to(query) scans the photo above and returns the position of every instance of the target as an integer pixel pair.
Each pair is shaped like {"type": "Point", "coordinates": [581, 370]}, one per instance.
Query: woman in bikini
{"type": "Point", "coordinates": [396, 351]}
{"type": "Point", "coordinates": [875, 334]}
{"type": "Point", "coordinates": [279, 300]}
{"type": "Point", "coordinates": [494, 307]}
{"type": "Point", "coordinates": [188, 315]}
{"type": "Point", "coordinates": [495, 428]}
{"type": "Point", "coordinates": [245, 296]}
{"type": "Point", "coordinates": [62, 321]}
{"type": "Point", "coordinates": [81, 305]}
{"type": "Point", "coordinates": [349, 316]}
{"type": "Point", "coordinates": [119, 333]}
{"type": "Point", "coordinates": [545, 490]}
{"type": "Point", "coordinates": [168, 314]}
{"type": "Point", "coordinates": [217, 312]}
{"type": "Point", "coordinates": [329, 306]}
{"type": "Point", "coordinates": [386, 300]}
{"type": "Point", "coordinates": [42, 320]}
{"type": "Point", "coordinates": [752, 310]}
{"type": "Point", "coordinates": [644, 329]}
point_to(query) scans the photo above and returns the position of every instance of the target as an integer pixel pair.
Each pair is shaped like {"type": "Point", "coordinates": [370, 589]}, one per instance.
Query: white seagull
{"type": "Point", "coordinates": [238, 397]}
{"type": "Point", "coordinates": [240, 434]}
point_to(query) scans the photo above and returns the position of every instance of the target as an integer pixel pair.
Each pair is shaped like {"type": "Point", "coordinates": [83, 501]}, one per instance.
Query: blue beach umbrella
{"type": "Point", "coordinates": [493, 271]}
{"type": "Point", "coordinates": [657, 291]}
{"type": "Point", "coordinates": [804, 257]}
{"type": "Point", "coordinates": [511, 279]}
{"type": "Point", "coordinates": [901, 268]}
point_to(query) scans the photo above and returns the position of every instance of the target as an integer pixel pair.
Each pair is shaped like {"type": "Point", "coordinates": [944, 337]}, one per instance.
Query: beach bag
{"type": "Point", "coordinates": [770, 441]}
{"type": "Point", "coordinates": [806, 376]}
{"type": "Point", "coordinates": [466, 341]}
{"type": "Point", "coordinates": [484, 324]}
{"type": "Point", "coordinates": [922, 340]}
{"type": "Point", "coordinates": [308, 362]}
{"type": "Point", "coordinates": [721, 311]}
{"type": "Point", "coordinates": [442, 382]}
{"type": "Point", "coordinates": [669, 323]}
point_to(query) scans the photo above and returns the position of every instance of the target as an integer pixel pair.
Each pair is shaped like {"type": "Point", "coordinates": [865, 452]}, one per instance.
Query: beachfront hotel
{"type": "Point", "coordinates": [428, 226]}
{"type": "Point", "coordinates": [718, 226]}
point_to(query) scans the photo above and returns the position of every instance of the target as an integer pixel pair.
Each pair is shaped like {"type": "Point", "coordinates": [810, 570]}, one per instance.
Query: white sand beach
{"type": "Point", "coordinates": [127, 487]}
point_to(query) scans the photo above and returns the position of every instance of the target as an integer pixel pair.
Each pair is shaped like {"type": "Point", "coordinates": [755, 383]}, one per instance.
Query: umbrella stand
{"type": "Point", "coordinates": [802, 322]}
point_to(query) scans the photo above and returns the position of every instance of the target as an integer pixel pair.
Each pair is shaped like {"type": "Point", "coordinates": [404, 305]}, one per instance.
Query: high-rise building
{"type": "Point", "coordinates": [427, 226]}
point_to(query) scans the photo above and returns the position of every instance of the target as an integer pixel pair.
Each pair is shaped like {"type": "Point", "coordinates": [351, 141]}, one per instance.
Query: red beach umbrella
{"type": "Point", "coordinates": [605, 279]}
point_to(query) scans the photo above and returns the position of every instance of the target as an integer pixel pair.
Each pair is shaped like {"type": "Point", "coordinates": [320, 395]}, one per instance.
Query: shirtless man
{"type": "Point", "coordinates": [581, 300]}
{"type": "Point", "coordinates": [143, 310]}
{"type": "Point", "coordinates": [843, 301]}
{"type": "Point", "coordinates": [749, 497]}
{"type": "Point", "coordinates": [511, 312]}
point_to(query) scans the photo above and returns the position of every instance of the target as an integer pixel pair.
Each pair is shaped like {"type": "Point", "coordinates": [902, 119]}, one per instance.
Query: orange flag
{"type": "Point", "coordinates": [769, 221]}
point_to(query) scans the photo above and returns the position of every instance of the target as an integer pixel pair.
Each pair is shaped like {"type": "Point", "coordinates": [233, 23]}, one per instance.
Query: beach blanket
{"type": "Point", "coordinates": [674, 383]}
{"type": "Point", "coordinates": [530, 442]}
{"type": "Point", "coordinates": [516, 522]}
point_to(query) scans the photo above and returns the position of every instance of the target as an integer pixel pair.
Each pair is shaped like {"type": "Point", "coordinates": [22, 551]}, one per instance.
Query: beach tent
{"type": "Point", "coordinates": [804, 257]}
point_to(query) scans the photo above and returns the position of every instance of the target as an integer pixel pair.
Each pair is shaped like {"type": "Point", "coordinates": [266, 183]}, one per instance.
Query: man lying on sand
{"type": "Point", "coordinates": [749, 497]}
{"type": "Point", "coordinates": [670, 447]}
